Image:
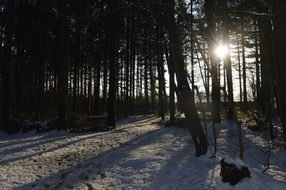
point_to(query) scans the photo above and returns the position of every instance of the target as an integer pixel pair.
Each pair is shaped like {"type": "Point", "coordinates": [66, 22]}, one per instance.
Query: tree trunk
{"type": "Point", "coordinates": [245, 101]}
{"type": "Point", "coordinates": [127, 68]}
{"type": "Point", "coordinates": [216, 103]}
{"type": "Point", "coordinates": [280, 46]}
{"type": "Point", "coordinates": [192, 48]}
{"type": "Point", "coordinates": [239, 71]}
{"type": "Point", "coordinates": [266, 70]}
{"type": "Point", "coordinates": [7, 61]}
{"type": "Point", "coordinates": [227, 62]}
{"type": "Point", "coordinates": [171, 84]}
{"type": "Point", "coordinates": [161, 73]}
{"type": "Point", "coordinates": [62, 62]}
{"type": "Point", "coordinates": [105, 73]}
{"type": "Point", "coordinates": [146, 84]}
{"type": "Point", "coordinates": [183, 89]}
{"type": "Point", "coordinates": [112, 53]}
{"type": "Point", "coordinates": [152, 81]}
{"type": "Point", "coordinates": [97, 88]}
{"type": "Point", "coordinates": [257, 67]}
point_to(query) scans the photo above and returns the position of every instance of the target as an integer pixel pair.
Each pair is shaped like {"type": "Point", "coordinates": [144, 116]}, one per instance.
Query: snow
{"type": "Point", "coordinates": [237, 161]}
{"type": "Point", "coordinates": [139, 154]}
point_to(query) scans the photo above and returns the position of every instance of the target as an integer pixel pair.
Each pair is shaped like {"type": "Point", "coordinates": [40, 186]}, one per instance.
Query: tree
{"type": "Point", "coordinates": [62, 62]}
{"type": "Point", "coordinates": [6, 61]}
{"type": "Point", "coordinates": [266, 70]}
{"type": "Point", "coordinates": [227, 60]}
{"type": "Point", "coordinates": [245, 99]}
{"type": "Point", "coordinates": [209, 6]}
{"type": "Point", "coordinates": [171, 83]}
{"type": "Point", "coordinates": [112, 29]}
{"type": "Point", "coordinates": [184, 93]}
{"type": "Point", "coordinates": [280, 46]}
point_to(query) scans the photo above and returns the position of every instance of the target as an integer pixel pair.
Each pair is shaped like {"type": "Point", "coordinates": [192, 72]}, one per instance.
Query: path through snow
{"type": "Point", "coordinates": [138, 154]}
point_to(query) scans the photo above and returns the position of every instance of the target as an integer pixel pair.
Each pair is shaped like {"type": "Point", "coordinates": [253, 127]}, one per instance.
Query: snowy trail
{"type": "Point", "coordinates": [34, 156]}
{"type": "Point", "coordinates": [139, 154]}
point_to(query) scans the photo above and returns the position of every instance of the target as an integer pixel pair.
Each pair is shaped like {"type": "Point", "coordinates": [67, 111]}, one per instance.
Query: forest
{"type": "Point", "coordinates": [93, 92]}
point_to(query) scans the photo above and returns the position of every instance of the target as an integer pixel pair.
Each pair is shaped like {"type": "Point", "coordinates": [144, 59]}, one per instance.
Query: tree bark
{"type": "Point", "coordinates": [161, 73]}
{"type": "Point", "coordinates": [257, 67]}
{"type": "Point", "coordinates": [280, 46]}
{"type": "Point", "coordinates": [216, 102]}
{"type": "Point", "coordinates": [62, 62]}
{"type": "Point", "coordinates": [146, 84]}
{"type": "Point", "coordinates": [227, 62]}
{"type": "Point", "coordinates": [245, 101]}
{"type": "Point", "coordinates": [127, 68]}
{"type": "Point", "coordinates": [239, 71]}
{"type": "Point", "coordinates": [112, 27]}
{"type": "Point", "coordinates": [266, 70]}
{"type": "Point", "coordinates": [7, 61]}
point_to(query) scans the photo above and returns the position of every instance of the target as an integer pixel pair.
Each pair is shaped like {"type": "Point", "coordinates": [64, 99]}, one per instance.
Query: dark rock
{"type": "Point", "coordinates": [232, 173]}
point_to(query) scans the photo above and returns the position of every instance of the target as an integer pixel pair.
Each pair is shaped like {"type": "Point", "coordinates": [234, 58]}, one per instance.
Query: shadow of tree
{"type": "Point", "coordinates": [255, 155]}
{"type": "Point", "coordinates": [94, 166]}
{"type": "Point", "coordinates": [136, 119]}
{"type": "Point", "coordinates": [15, 140]}
{"type": "Point", "coordinates": [68, 138]}
{"type": "Point", "coordinates": [184, 171]}
{"type": "Point", "coordinates": [21, 146]}
{"type": "Point", "coordinates": [59, 146]}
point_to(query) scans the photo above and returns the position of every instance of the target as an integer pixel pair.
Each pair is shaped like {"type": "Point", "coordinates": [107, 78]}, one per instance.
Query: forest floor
{"type": "Point", "coordinates": [139, 154]}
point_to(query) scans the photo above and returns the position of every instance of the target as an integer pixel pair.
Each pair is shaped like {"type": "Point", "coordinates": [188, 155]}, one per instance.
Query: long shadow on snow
{"type": "Point", "coordinates": [3, 162]}
{"type": "Point", "coordinates": [136, 119]}
{"type": "Point", "coordinates": [15, 140]}
{"type": "Point", "coordinates": [21, 148]}
{"type": "Point", "coordinates": [96, 163]}
{"type": "Point", "coordinates": [40, 141]}
{"type": "Point", "coordinates": [21, 138]}
{"type": "Point", "coordinates": [146, 120]}
{"type": "Point", "coordinates": [184, 171]}
{"type": "Point", "coordinates": [254, 155]}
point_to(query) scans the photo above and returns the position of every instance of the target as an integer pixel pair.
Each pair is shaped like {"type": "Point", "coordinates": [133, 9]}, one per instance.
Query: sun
{"type": "Point", "coordinates": [221, 51]}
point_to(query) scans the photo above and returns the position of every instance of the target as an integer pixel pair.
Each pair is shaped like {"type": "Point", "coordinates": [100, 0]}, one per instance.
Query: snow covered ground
{"type": "Point", "coordinates": [138, 154]}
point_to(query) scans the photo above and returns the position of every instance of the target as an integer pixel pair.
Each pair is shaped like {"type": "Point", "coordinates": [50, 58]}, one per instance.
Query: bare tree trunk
{"type": "Point", "coordinates": [280, 46]}
{"type": "Point", "coordinates": [146, 84]}
{"type": "Point", "coordinates": [171, 84]}
{"type": "Point", "coordinates": [227, 62]}
{"type": "Point", "coordinates": [62, 62]}
{"type": "Point", "coordinates": [152, 82]}
{"type": "Point", "coordinates": [43, 38]}
{"type": "Point", "coordinates": [239, 71]}
{"type": "Point", "coordinates": [216, 102]}
{"type": "Point", "coordinates": [245, 103]}
{"type": "Point", "coordinates": [97, 89]}
{"type": "Point", "coordinates": [105, 73]}
{"type": "Point", "coordinates": [132, 66]}
{"type": "Point", "coordinates": [7, 61]}
{"type": "Point", "coordinates": [266, 70]}
{"type": "Point", "coordinates": [112, 54]}
{"type": "Point", "coordinates": [257, 68]}
{"type": "Point", "coordinates": [20, 57]}
{"type": "Point", "coordinates": [161, 73]}
{"type": "Point", "coordinates": [127, 68]}
{"type": "Point", "coordinates": [192, 49]}
{"type": "Point", "coordinates": [184, 92]}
